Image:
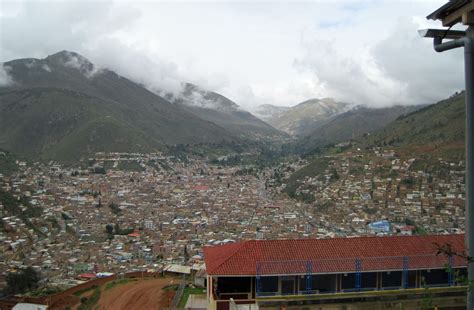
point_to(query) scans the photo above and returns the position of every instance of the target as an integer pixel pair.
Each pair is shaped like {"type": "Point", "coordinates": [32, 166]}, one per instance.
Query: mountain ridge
{"type": "Point", "coordinates": [266, 112]}
{"type": "Point", "coordinates": [301, 119]}
{"type": "Point", "coordinates": [63, 107]}
{"type": "Point", "coordinates": [224, 112]}
{"type": "Point", "coordinates": [352, 124]}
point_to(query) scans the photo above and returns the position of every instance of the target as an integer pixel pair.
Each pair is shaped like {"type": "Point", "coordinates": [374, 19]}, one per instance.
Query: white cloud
{"type": "Point", "coordinates": [411, 62]}
{"type": "Point", "coordinates": [255, 53]}
{"type": "Point", "coordinates": [350, 79]}
{"type": "Point", "coordinates": [5, 79]}
{"type": "Point", "coordinates": [401, 68]}
{"type": "Point", "coordinates": [46, 68]}
{"type": "Point", "coordinates": [135, 64]}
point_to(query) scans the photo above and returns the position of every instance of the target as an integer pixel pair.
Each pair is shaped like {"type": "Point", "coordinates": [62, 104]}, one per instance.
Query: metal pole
{"type": "Point", "coordinates": [468, 43]}
{"type": "Point", "coordinates": [469, 237]}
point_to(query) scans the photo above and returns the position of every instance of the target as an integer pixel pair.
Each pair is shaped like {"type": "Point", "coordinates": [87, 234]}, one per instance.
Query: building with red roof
{"type": "Point", "coordinates": [86, 276]}
{"type": "Point", "coordinates": [200, 187]}
{"type": "Point", "coordinates": [262, 271]}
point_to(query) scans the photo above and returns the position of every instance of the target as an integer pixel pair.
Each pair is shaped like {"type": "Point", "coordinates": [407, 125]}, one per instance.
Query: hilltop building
{"type": "Point", "coordinates": [307, 273]}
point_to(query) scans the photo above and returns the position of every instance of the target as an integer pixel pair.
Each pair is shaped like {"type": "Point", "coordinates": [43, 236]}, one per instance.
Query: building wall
{"type": "Point", "coordinates": [246, 289]}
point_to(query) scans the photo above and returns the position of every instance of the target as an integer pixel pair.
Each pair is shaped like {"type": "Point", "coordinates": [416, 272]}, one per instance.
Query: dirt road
{"type": "Point", "coordinates": [142, 294]}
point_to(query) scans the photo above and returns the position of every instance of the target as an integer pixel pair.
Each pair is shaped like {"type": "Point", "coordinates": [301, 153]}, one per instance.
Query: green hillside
{"type": "Point", "coordinates": [315, 169]}
{"type": "Point", "coordinates": [56, 110]}
{"type": "Point", "coordinates": [429, 133]}
{"type": "Point", "coordinates": [354, 123]}
{"type": "Point", "coordinates": [7, 163]}
{"type": "Point", "coordinates": [303, 118]}
{"type": "Point", "coordinates": [222, 111]}
{"type": "Point", "coordinates": [437, 129]}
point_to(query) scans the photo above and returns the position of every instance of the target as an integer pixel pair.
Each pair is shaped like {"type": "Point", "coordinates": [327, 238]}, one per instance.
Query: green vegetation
{"type": "Point", "coordinates": [109, 229]}
{"type": "Point", "coordinates": [45, 291]}
{"type": "Point", "coordinates": [189, 291]}
{"type": "Point", "coordinates": [20, 207]}
{"type": "Point", "coordinates": [315, 168]}
{"type": "Point", "coordinates": [419, 230]}
{"type": "Point", "coordinates": [130, 165]}
{"type": "Point", "coordinates": [7, 163]}
{"type": "Point", "coordinates": [64, 115]}
{"type": "Point", "coordinates": [121, 231]}
{"type": "Point", "coordinates": [232, 153]}
{"type": "Point", "coordinates": [22, 281]}
{"type": "Point", "coordinates": [171, 287]}
{"type": "Point", "coordinates": [80, 292]}
{"type": "Point", "coordinates": [303, 118]}
{"type": "Point", "coordinates": [436, 130]}
{"type": "Point", "coordinates": [88, 303]}
{"type": "Point", "coordinates": [349, 125]}
{"type": "Point", "coordinates": [114, 283]}
{"type": "Point", "coordinates": [115, 208]}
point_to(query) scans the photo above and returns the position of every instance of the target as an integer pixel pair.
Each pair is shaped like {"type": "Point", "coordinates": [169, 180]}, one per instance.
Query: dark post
{"type": "Point", "coordinates": [469, 70]}
{"type": "Point", "coordinates": [466, 41]}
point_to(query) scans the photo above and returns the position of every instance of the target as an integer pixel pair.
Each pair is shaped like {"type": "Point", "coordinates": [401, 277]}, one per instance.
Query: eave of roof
{"type": "Point", "coordinates": [447, 9]}
{"type": "Point", "coordinates": [330, 255]}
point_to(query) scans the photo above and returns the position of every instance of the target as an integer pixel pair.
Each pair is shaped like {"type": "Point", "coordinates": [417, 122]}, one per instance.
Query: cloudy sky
{"type": "Point", "coordinates": [254, 52]}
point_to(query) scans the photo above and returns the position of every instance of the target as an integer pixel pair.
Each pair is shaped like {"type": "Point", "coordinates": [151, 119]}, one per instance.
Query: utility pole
{"type": "Point", "coordinates": [450, 14]}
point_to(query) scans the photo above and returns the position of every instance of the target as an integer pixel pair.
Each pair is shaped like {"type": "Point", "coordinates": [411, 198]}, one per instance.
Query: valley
{"type": "Point", "coordinates": [162, 210]}
{"type": "Point", "coordinates": [99, 174]}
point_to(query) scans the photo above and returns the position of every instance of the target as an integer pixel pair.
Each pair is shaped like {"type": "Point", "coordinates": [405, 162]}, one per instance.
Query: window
{"type": "Point", "coordinates": [233, 285]}
{"type": "Point", "coordinates": [269, 284]}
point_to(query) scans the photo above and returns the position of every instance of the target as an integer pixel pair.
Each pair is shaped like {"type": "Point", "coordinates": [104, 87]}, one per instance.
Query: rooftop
{"type": "Point", "coordinates": [331, 255]}
{"type": "Point", "coordinates": [454, 8]}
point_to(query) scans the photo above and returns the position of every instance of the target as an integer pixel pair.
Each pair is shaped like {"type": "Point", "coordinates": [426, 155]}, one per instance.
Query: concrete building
{"type": "Point", "coordinates": [312, 273]}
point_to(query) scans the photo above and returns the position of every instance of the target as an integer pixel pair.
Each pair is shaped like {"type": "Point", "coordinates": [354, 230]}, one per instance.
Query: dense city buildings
{"type": "Point", "coordinates": [124, 212]}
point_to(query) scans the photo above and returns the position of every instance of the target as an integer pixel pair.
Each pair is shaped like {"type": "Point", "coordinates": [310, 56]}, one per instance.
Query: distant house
{"type": "Point", "coordinates": [200, 278]}
{"type": "Point", "coordinates": [86, 276]}
{"type": "Point", "coordinates": [380, 226]}
{"type": "Point", "coordinates": [29, 306]}
{"type": "Point", "coordinates": [407, 230]}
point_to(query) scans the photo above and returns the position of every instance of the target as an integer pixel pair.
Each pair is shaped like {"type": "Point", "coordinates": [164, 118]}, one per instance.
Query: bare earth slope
{"type": "Point", "coordinates": [140, 295]}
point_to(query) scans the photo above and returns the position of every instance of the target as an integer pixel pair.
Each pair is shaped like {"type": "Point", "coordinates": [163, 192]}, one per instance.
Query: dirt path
{"type": "Point", "coordinates": [142, 294]}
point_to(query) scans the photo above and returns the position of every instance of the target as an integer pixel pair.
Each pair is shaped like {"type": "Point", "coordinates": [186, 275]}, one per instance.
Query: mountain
{"type": "Point", "coordinates": [301, 119]}
{"type": "Point", "coordinates": [437, 129]}
{"type": "Point", "coordinates": [354, 123]}
{"type": "Point", "coordinates": [222, 111]}
{"type": "Point", "coordinates": [426, 134]}
{"type": "Point", "coordinates": [267, 112]}
{"type": "Point", "coordinates": [62, 107]}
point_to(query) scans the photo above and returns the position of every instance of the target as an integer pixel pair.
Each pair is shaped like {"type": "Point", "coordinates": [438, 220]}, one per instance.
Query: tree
{"type": "Point", "coordinates": [22, 281]}
{"type": "Point", "coordinates": [99, 170]}
{"type": "Point", "coordinates": [110, 231]}
{"type": "Point", "coordinates": [186, 254]}
{"type": "Point", "coordinates": [114, 208]}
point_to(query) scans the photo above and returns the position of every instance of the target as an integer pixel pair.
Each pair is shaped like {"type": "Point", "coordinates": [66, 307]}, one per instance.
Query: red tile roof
{"type": "Point", "coordinates": [330, 255]}
{"type": "Point", "coordinates": [86, 276]}
{"type": "Point", "coordinates": [200, 187]}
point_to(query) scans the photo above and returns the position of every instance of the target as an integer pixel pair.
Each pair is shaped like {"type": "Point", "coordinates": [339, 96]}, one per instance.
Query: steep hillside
{"type": "Point", "coordinates": [303, 118]}
{"type": "Point", "coordinates": [62, 108]}
{"type": "Point", "coordinates": [352, 124]}
{"type": "Point", "coordinates": [438, 129]}
{"type": "Point", "coordinates": [222, 111]}
{"type": "Point", "coordinates": [426, 134]}
{"type": "Point", "coordinates": [267, 112]}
